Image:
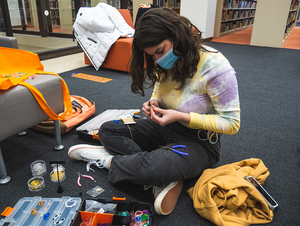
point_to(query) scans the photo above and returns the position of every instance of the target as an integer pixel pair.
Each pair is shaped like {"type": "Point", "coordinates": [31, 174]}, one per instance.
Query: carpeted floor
{"type": "Point", "coordinates": [268, 81]}
{"type": "Point", "coordinates": [243, 37]}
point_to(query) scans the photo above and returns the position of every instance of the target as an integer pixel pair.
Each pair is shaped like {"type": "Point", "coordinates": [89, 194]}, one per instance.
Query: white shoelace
{"type": "Point", "coordinates": [99, 163]}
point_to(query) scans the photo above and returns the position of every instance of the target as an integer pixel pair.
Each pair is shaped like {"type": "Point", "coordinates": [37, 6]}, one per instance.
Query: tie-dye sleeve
{"type": "Point", "coordinates": [219, 82]}
{"type": "Point", "coordinates": [154, 93]}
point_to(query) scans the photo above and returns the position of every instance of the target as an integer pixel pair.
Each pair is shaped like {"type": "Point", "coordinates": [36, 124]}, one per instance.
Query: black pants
{"type": "Point", "coordinates": [142, 161]}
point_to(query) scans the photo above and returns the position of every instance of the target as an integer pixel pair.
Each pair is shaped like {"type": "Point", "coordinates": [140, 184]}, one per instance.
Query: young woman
{"type": "Point", "coordinates": [194, 100]}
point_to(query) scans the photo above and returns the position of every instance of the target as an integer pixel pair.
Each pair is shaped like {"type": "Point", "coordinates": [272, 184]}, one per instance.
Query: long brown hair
{"type": "Point", "coordinates": [155, 26]}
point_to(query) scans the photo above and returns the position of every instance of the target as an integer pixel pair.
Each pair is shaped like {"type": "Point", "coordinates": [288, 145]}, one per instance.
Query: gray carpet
{"type": "Point", "coordinates": [268, 79]}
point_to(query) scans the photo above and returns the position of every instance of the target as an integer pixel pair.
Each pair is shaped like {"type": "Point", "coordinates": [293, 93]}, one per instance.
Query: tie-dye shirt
{"type": "Point", "coordinates": [211, 96]}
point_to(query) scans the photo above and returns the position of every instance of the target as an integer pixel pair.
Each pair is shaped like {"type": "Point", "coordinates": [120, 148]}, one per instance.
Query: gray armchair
{"type": "Point", "coordinates": [10, 42]}
{"type": "Point", "coordinates": [20, 110]}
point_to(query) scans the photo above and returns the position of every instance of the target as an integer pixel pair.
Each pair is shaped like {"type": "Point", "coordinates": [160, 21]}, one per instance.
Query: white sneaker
{"type": "Point", "coordinates": [91, 154]}
{"type": "Point", "coordinates": [166, 197]}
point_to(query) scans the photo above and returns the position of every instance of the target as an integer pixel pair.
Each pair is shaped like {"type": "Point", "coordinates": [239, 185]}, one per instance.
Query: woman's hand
{"type": "Point", "coordinates": [147, 106]}
{"type": "Point", "coordinates": [166, 116]}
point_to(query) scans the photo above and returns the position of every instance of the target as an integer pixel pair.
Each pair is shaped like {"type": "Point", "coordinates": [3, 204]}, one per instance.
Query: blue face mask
{"type": "Point", "coordinates": [167, 61]}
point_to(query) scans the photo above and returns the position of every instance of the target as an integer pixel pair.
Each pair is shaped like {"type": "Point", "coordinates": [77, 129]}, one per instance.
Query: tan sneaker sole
{"type": "Point", "coordinates": [166, 200]}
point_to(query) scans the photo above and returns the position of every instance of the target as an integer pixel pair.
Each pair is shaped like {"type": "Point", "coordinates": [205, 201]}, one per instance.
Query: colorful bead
{"type": "Point", "coordinates": [124, 213]}
{"type": "Point", "coordinates": [41, 203]}
{"type": "Point", "coordinates": [46, 216]}
{"type": "Point", "coordinates": [138, 219]}
{"type": "Point", "coordinates": [145, 217]}
{"type": "Point", "coordinates": [146, 211]}
{"type": "Point", "coordinates": [34, 211]}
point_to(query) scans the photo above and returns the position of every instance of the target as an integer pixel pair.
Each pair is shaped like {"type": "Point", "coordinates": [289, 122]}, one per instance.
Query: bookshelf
{"type": "Point", "coordinates": [85, 3]}
{"type": "Point", "coordinates": [233, 15]}
{"type": "Point", "coordinates": [54, 13]}
{"type": "Point", "coordinates": [28, 13]}
{"type": "Point", "coordinates": [201, 12]}
{"type": "Point", "coordinates": [115, 3]}
{"type": "Point", "coordinates": [173, 4]}
{"type": "Point", "coordinates": [73, 11]}
{"type": "Point", "coordinates": [273, 22]}
{"type": "Point", "coordinates": [292, 18]}
{"type": "Point", "coordinates": [119, 4]}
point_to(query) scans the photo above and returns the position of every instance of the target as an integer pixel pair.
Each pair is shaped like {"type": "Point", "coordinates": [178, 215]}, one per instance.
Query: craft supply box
{"type": "Point", "coordinates": [68, 211]}
{"type": "Point", "coordinates": [38, 211]}
{"type": "Point", "coordinates": [115, 219]}
{"type": "Point", "coordinates": [88, 131]}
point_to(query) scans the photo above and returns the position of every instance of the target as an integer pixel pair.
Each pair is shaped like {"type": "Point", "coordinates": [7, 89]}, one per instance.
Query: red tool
{"type": "Point", "coordinates": [80, 175]}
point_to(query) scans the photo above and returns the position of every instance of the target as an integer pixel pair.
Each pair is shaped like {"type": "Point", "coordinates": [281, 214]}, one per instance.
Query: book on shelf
{"type": "Point", "coordinates": [233, 25]}
{"type": "Point", "coordinates": [55, 22]}
{"type": "Point", "coordinates": [53, 5]}
{"type": "Point", "coordinates": [167, 3]}
{"type": "Point", "coordinates": [292, 16]}
{"type": "Point", "coordinates": [237, 4]}
{"type": "Point", "coordinates": [228, 15]}
{"type": "Point", "coordinates": [234, 14]}
{"type": "Point", "coordinates": [226, 4]}
{"type": "Point", "coordinates": [114, 3]}
{"type": "Point", "coordinates": [85, 3]}
{"type": "Point", "coordinates": [54, 14]}
{"type": "Point", "coordinates": [294, 5]}
{"type": "Point", "coordinates": [117, 4]}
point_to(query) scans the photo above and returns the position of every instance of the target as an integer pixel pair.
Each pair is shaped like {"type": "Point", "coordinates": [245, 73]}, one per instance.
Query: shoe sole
{"type": "Point", "coordinates": [76, 155]}
{"type": "Point", "coordinates": [166, 200]}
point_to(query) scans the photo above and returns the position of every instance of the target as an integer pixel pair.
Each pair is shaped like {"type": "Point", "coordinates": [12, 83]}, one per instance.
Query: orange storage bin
{"type": "Point", "coordinates": [98, 218]}
{"type": "Point", "coordinates": [117, 218]}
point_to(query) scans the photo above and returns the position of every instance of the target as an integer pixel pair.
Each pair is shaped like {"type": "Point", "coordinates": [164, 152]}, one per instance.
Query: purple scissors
{"type": "Point", "coordinates": [173, 149]}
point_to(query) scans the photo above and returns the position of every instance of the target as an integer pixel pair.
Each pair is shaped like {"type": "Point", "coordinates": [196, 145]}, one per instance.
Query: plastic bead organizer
{"type": "Point", "coordinates": [123, 213]}
{"type": "Point", "coordinates": [40, 211]}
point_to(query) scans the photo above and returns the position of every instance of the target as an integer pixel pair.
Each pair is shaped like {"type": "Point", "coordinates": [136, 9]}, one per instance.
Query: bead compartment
{"type": "Point", "coordinates": [61, 173]}
{"type": "Point", "coordinates": [38, 168]}
{"type": "Point", "coordinates": [36, 184]}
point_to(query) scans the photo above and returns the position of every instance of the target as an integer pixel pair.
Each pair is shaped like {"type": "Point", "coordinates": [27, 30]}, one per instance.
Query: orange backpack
{"type": "Point", "coordinates": [82, 110]}
{"type": "Point", "coordinates": [18, 65]}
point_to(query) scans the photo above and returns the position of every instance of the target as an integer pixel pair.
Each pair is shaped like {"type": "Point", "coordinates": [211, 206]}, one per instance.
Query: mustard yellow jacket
{"type": "Point", "coordinates": [224, 197]}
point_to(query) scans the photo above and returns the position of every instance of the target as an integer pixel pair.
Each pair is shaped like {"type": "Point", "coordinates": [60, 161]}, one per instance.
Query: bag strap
{"type": "Point", "coordinates": [22, 64]}
{"type": "Point", "coordinates": [42, 102]}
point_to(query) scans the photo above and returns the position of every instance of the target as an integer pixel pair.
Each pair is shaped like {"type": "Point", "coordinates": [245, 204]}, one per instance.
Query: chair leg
{"type": "Point", "coordinates": [3, 174]}
{"type": "Point", "coordinates": [58, 146]}
{"type": "Point", "coordinates": [22, 133]}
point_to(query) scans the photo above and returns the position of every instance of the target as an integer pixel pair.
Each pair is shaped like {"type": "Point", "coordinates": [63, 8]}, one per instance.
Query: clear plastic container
{"type": "Point", "coordinates": [61, 173]}
{"type": "Point", "coordinates": [60, 214]}
{"type": "Point", "coordinates": [38, 168]}
{"type": "Point", "coordinates": [36, 183]}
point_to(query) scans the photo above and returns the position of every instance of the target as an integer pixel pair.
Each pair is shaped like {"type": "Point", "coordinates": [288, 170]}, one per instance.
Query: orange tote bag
{"type": "Point", "coordinates": [18, 65]}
